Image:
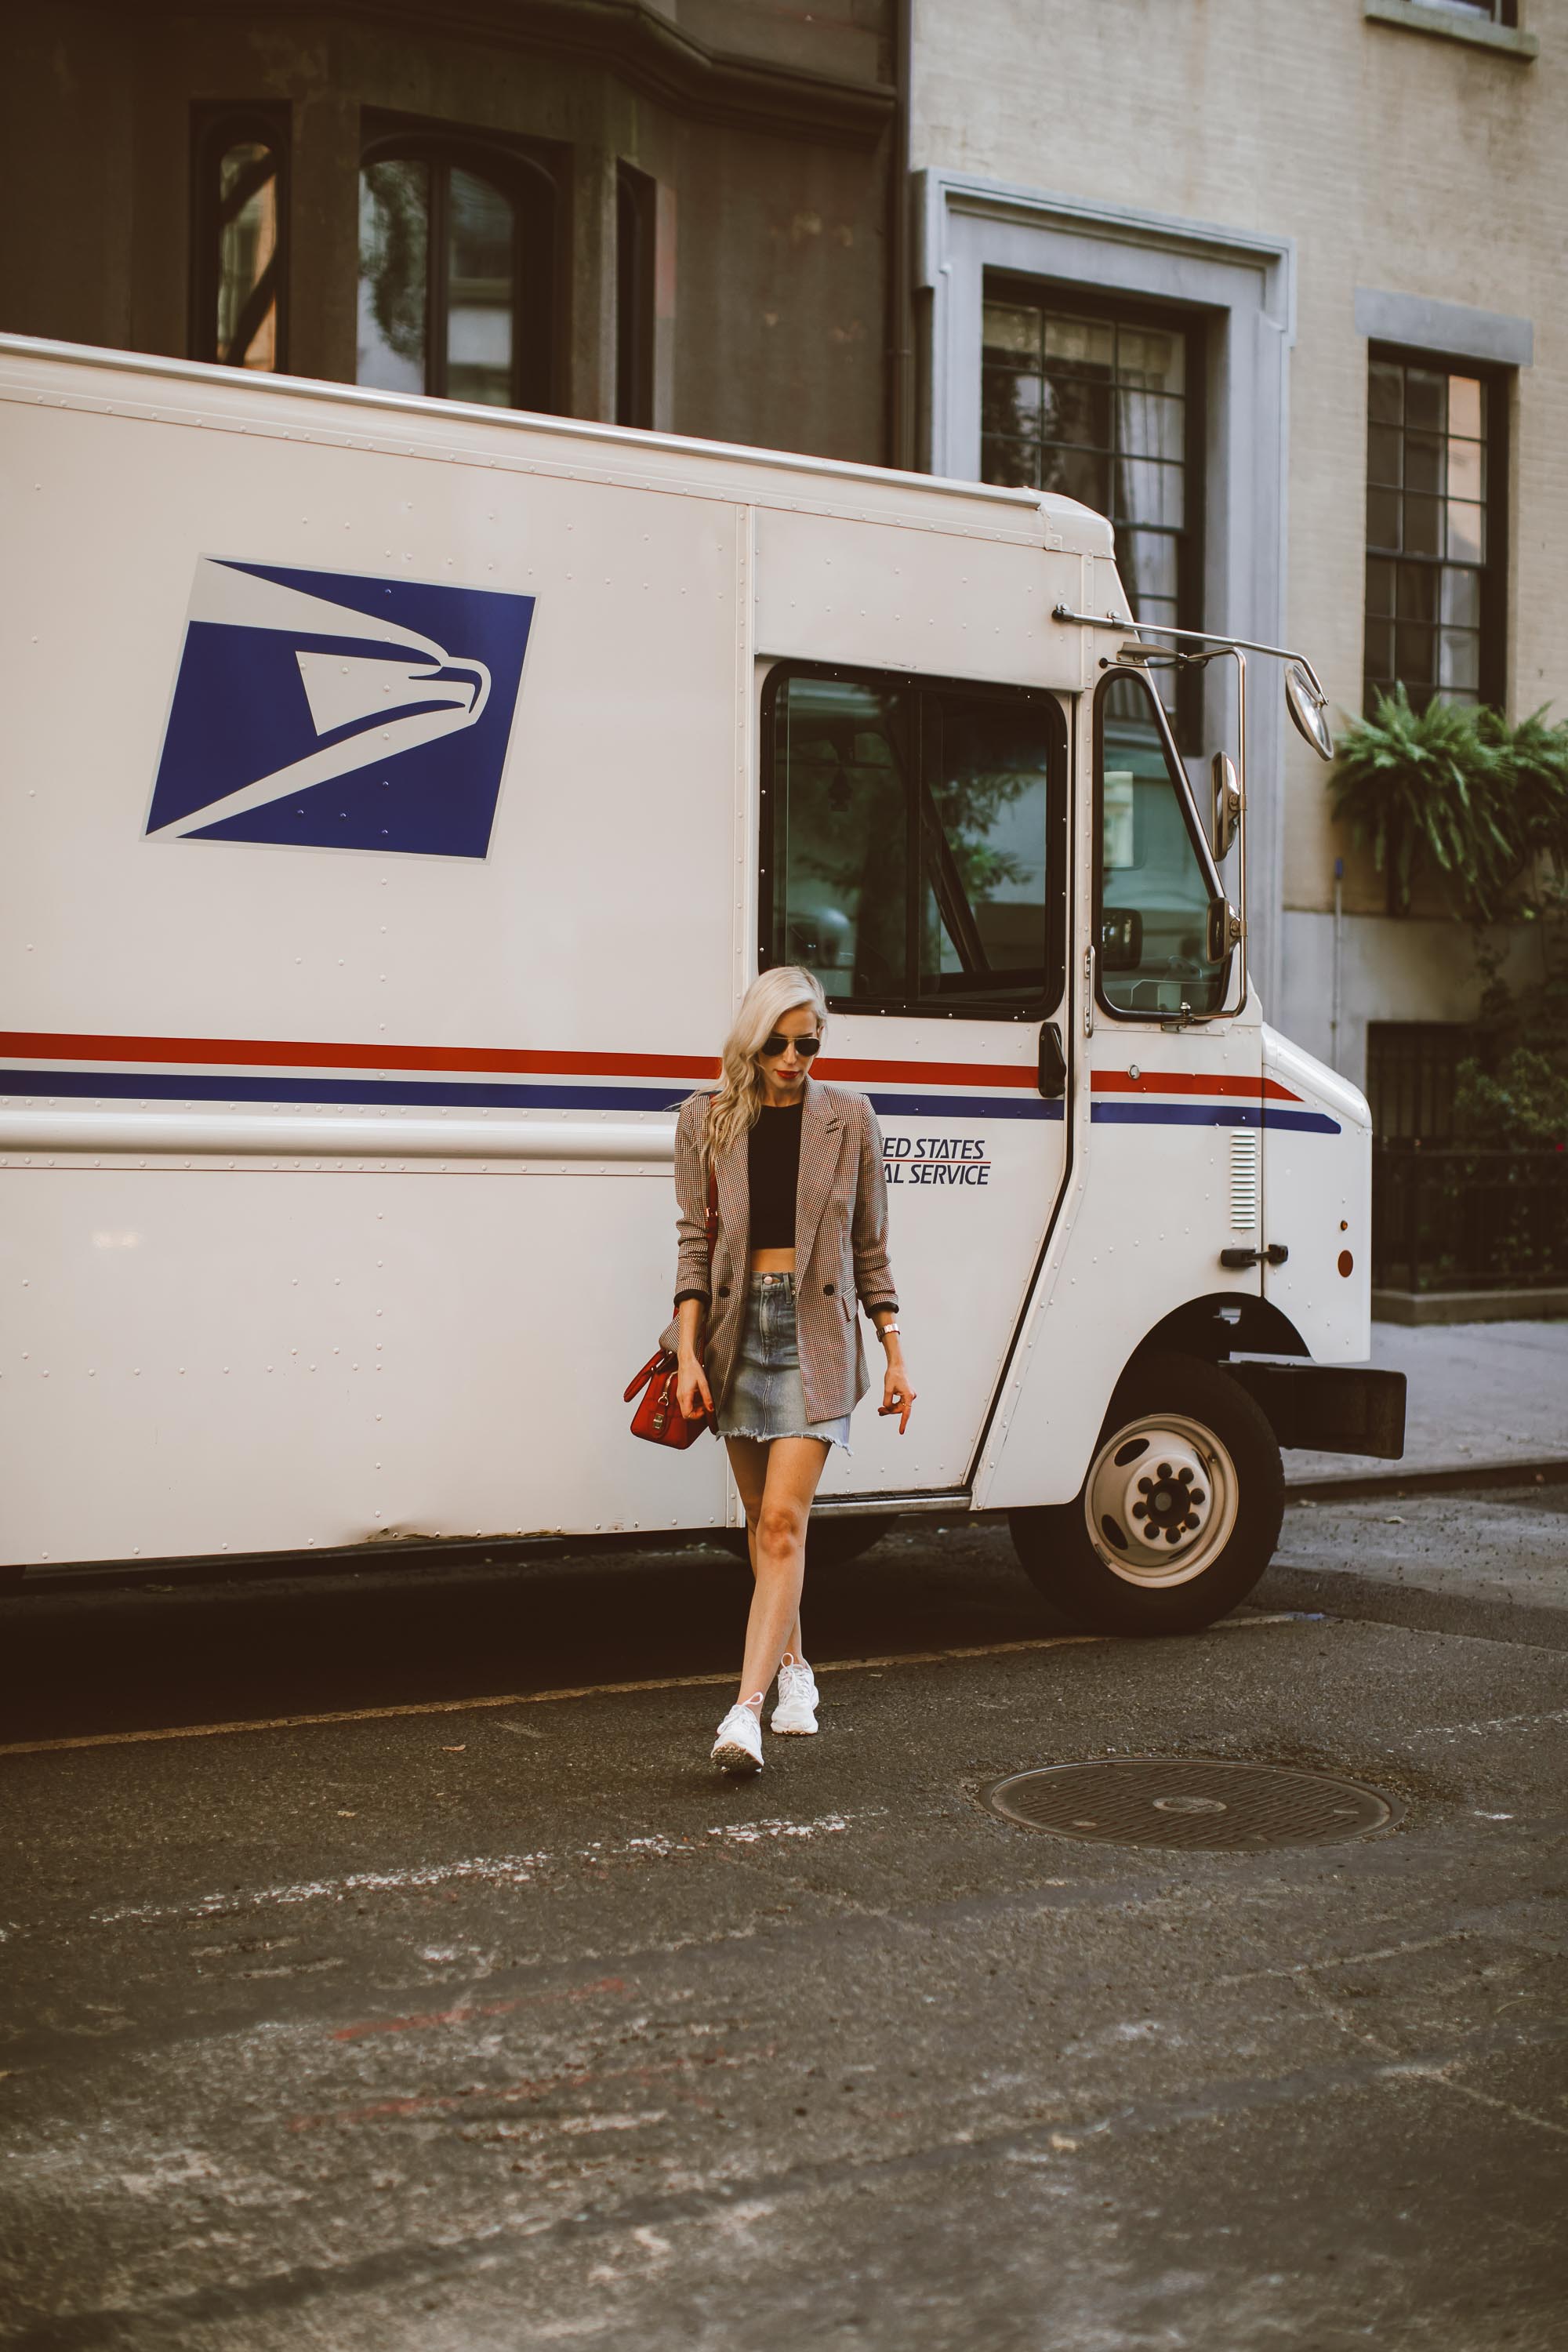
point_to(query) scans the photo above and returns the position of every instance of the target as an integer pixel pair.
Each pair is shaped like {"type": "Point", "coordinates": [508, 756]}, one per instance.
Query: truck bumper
{"type": "Point", "coordinates": [1330, 1410]}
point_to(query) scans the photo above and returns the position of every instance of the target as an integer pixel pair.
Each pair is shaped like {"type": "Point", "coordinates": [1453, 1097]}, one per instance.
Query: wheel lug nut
{"type": "Point", "coordinates": [1197, 1496]}
{"type": "Point", "coordinates": [1164, 1470]}
{"type": "Point", "coordinates": [1186, 1477]}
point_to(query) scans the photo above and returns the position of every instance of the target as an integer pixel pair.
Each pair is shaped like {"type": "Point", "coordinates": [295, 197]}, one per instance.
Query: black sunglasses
{"type": "Point", "coordinates": [771, 1048]}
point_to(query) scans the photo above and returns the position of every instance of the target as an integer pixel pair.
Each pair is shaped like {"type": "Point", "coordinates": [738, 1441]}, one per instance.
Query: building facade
{"type": "Point", "coordinates": [669, 213]}
{"type": "Point", "coordinates": [1270, 284]}
{"type": "Point", "coordinates": [1273, 284]}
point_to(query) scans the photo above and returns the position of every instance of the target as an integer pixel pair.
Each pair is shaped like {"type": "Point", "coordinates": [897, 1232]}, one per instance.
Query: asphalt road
{"type": "Point", "coordinates": [474, 2026]}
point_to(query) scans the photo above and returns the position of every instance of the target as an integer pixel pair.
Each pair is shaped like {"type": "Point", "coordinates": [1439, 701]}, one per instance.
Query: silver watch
{"type": "Point", "coordinates": [883, 1330]}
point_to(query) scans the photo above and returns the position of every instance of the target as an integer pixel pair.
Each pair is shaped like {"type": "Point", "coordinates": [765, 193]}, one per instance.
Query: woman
{"type": "Point", "coordinates": [767, 1336]}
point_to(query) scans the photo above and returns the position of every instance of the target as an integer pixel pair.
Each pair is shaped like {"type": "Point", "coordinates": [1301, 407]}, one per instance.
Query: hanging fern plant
{"type": "Point", "coordinates": [1457, 791]}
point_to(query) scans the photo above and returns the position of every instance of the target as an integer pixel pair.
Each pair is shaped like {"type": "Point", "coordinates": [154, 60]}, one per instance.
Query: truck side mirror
{"type": "Point", "coordinates": [1223, 929]}
{"type": "Point", "coordinates": [1226, 812]}
{"type": "Point", "coordinates": [1307, 707]}
{"type": "Point", "coordinates": [1120, 939]}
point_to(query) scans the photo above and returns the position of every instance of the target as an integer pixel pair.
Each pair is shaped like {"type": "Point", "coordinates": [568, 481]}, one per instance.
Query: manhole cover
{"type": "Point", "coordinates": [1169, 1801]}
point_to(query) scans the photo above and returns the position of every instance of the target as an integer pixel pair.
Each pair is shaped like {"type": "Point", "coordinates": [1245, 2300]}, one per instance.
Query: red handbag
{"type": "Point", "coordinates": [659, 1417]}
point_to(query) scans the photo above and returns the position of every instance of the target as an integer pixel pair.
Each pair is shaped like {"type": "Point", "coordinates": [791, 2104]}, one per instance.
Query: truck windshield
{"type": "Point", "coordinates": [1154, 883]}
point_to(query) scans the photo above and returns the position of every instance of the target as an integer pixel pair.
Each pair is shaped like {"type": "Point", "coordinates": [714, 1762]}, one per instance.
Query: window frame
{"type": "Point", "coordinates": [913, 1007]}
{"type": "Point", "coordinates": [1146, 1017]}
{"type": "Point", "coordinates": [635, 254]}
{"type": "Point", "coordinates": [214, 129]}
{"type": "Point", "coordinates": [1491, 674]}
{"type": "Point", "coordinates": [1192, 323]}
{"type": "Point", "coordinates": [527, 177]}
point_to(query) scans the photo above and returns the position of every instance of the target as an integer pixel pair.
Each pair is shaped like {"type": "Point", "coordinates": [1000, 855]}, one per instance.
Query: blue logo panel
{"type": "Point", "coordinates": [340, 712]}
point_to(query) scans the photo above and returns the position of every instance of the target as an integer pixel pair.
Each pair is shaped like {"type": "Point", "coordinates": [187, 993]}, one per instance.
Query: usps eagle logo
{"type": "Point", "coordinates": [340, 712]}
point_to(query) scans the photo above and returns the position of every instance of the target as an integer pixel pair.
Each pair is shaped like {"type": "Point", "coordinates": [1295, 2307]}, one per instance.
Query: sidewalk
{"type": "Point", "coordinates": [1479, 1393]}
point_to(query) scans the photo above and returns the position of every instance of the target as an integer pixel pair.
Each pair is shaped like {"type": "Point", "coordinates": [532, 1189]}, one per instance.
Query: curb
{"type": "Point", "coordinates": [1474, 1477]}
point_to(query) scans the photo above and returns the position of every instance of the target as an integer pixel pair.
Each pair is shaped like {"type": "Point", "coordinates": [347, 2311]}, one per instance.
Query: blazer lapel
{"type": "Point", "coordinates": [821, 1139]}
{"type": "Point", "coordinates": [732, 1171]}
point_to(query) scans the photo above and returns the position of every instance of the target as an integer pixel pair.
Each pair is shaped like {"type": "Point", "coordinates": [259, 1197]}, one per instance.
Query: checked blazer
{"type": "Point", "coordinates": [840, 1245]}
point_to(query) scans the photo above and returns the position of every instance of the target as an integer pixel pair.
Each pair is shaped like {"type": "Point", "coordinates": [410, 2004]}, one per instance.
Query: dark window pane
{"type": "Point", "coordinates": [841, 836]}
{"type": "Point", "coordinates": [1414, 650]}
{"type": "Point", "coordinates": [1015, 465]}
{"type": "Point", "coordinates": [983, 845]}
{"type": "Point", "coordinates": [1378, 584]}
{"type": "Point", "coordinates": [1383, 445]}
{"type": "Point", "coordinates": [1379, 648]}
{"type": "Point", "coordinates": [1423, 526]}
{"type": "Point", "coordinates": [1425, 401]}
{"type": "Point", "coordinates": [1075, 408]}
{"type": "Point", "coordinates": [394, 235]}
{"type": "Point", "coordinates": [1382, 517]}
{"type": "Point", "coordinates": [1153, 889]}
{"type": "Point", "coordinates": [1385, 394]}
{"type": "Point", "coordinates": [1078, 474]}
{"type": "Point", "coordinates": [480, 277]}
{"type": "Point", "coordinates": [1416, 595]}
{"type": "Point", "coordinates": [1423, 463]}
{"type": "Point", "coordinates": [248, 255]}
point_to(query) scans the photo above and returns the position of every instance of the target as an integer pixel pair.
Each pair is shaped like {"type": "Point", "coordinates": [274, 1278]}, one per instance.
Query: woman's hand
{"type": "Point", "coordinates": [692, 1388]}
{"type": "Point", "coordinates": [898, 1392]}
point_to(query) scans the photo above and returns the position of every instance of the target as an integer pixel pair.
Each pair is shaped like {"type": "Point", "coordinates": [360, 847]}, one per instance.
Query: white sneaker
{"type": "Point", "coordinates": [739, 1746]}
{"type": "Point", "coordinates": [796, 1708]}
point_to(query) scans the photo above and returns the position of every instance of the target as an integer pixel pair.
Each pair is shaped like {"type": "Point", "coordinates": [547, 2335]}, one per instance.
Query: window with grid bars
{"type": "Point", "coordinates": [1432, 558]}
{"type": "Point", "coordinates": [1098, 404]}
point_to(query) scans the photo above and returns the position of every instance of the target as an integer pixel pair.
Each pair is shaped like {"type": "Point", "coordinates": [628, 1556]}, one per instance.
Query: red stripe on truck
{"type": "Point", "coordinates": [27, 1044]}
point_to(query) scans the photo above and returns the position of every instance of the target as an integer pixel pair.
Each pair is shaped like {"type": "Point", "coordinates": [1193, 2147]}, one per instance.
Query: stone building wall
{"type": "Point", "coordinates": [1390, 154]}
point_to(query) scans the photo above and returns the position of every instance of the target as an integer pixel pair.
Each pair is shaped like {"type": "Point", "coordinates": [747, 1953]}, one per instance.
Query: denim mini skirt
{"type": "Point", "coordinates": [766, 1398]}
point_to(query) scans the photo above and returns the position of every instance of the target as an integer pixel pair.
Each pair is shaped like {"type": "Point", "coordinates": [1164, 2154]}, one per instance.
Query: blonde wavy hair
{"type": "Point", "coordinates": [734, 1106]}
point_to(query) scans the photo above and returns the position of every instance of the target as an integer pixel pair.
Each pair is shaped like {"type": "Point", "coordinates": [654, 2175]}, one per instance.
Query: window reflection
{"type": "Point", "coordinates": [248, 257]}
{"type": "Point", "coordinates": [1155, 887]}
{"type": "Point", "coordinates": [911, 827]}
{"type": "Point", "coordinates": [393, 275]}
{"type": "Point", "coordinates": [448, 249]}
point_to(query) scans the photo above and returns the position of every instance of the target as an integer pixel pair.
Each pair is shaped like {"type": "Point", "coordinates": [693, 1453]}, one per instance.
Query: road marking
{"type": "Point", "coordinates": [595, 1690]}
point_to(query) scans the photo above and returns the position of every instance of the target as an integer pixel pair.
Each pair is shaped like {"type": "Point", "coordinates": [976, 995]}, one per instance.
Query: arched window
{"type": "Point", "coordinates": [455, 291]}
{"type": "Point", "coordinates": [240, 217]}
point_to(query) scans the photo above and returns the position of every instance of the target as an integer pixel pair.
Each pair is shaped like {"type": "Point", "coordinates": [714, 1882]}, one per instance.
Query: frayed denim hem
{"type": "Point", "coordinates": [766, 1437]}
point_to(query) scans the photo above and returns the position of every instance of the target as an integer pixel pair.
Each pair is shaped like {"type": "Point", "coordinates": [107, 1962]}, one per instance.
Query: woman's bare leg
{"type": "Point", "coordinates": [749, 1466]}
{"type": "Point", "coordinates": [775, 1527]}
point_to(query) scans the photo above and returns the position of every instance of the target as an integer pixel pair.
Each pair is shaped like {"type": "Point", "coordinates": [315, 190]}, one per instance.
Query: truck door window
{"type": "Point", "coordinates": [915, 851]}
{"type": "Point", "coordinates": [1154, 882]}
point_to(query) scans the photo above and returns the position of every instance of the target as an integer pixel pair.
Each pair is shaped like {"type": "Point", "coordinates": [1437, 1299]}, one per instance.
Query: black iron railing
{"type": "Point", "coordinates": [1453, 1217]}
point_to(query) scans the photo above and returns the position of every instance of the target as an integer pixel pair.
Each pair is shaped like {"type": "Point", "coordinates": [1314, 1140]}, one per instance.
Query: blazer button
{"type": "Point", "coordinates": [827, 1289]}
{"type": "Point", "coordinates": [724, 1290]}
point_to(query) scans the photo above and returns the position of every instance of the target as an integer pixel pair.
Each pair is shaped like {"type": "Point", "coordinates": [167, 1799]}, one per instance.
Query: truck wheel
{"type": "Point", "coordinates": [1180, 1512]}
{"type": "Point", "coordinates": [830, 1543]}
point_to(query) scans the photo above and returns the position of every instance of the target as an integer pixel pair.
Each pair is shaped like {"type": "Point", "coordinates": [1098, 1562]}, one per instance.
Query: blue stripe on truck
{"type": "Point", "coordinates": [461, 1094]}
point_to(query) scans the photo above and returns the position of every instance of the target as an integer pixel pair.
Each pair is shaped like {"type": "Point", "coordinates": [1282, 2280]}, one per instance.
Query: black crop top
{"type": "Point", "coordinates": [773, 1170]}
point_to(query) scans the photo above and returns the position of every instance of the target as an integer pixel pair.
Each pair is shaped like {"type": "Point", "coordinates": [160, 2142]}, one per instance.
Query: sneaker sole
{"type": "Point", "coordinates": [793, 1730]}
{"type": "Point", "coordinates": [732, 1757]}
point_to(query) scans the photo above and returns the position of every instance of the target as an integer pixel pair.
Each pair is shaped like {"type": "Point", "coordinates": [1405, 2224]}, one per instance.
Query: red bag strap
{"type": "Point", "coordinates": [641, 1380]}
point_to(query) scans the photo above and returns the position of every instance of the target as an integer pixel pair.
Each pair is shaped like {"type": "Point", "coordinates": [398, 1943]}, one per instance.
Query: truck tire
{"type": "Point", "coordinates": [830, 1543]}
{"type": "Point", "coordinates": [1179, 1513]}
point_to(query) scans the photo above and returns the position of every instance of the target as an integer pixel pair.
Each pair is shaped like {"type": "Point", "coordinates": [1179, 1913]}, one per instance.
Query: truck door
{"type": "Point", "coordinates": [915, 858]}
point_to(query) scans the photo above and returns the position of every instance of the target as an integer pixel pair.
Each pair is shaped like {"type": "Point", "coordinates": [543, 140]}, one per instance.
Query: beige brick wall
{"type": "Point", "coordinates": [1396, 161]}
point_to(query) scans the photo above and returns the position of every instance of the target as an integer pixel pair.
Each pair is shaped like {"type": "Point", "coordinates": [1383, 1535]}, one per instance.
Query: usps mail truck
{"type": "Point", "coordinates": [399, 796]}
